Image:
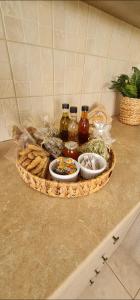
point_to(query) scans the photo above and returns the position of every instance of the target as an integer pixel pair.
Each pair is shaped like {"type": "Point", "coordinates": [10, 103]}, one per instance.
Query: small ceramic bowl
{"type": "Point", "coordinates": [65, 178]}
{"type": "Point", "coordinates": [88, 173]}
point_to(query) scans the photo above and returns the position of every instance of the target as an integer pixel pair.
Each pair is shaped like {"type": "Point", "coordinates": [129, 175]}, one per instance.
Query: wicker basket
{"type": "Point", "coordinates": [70, 189]}
{"type": "Point", "coordinates": [130, 111]}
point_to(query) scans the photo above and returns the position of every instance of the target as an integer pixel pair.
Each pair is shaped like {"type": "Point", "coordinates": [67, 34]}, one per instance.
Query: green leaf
{"type": "Point", "coordinates": [135, 79]}
{"type": "Point", "coordinates": [130, 90]}
{"type": "Point", "coordinates": [128, 86]}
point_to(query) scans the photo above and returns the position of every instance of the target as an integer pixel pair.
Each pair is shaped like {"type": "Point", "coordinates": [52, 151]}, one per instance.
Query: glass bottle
{"type": "Point", "coordinates": [73, 125]}
{"type": "Point", "coordinates": [71, 150]}
{"type": "Point", "coordinates": [83, 126]}
{"type": "Point", "coordinates": [64, 122]}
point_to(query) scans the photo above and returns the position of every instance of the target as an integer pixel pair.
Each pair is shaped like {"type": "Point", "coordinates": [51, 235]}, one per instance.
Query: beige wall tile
{"type": "Point", "coordinates": [4, 70]}
{"type": "Point", "coordinates": [33, 63]}
{"type": "Point", "coordinates": [111, 102]}
{"type": "Point", "coordinates": [32, 69]}
{"type": "Point", "coordinates": [31, 32]}
{"type": "Point", "coordinates": [113, 70]}
{"type": "Point", "coordinates": [70, 25]}
{"type": "Point", "coordinates": [29, 10]}
{"type": "Point", "coordinates": [90, 99]}
{"type": "Point", "coordinates": [59, 71]}
{"type": "Point", "coordinates": [120, 41]}
{"type": "Point", "coordinates": [45, 23]}
{"type": "Point", "coordinates": [6, 89]}
{"type": "Point", "coordinates": [8, 117]}
{"type": "Point", "coordinates": [45, 36]}
{"type": "Point", "coordinates": [3, 52]}
{"type": "Point", "coordinates": [11, 8]}
{"type": "Point", "coordinates": [68, 72]}
{"type": "Point", "coordinates": [46, 64]}
{"type": "Point", "coordinates": [17, 52]}
{"type": "Point", "coordinates": [73, 100]}
{"type": "Point", "coordinates": [20, 71]}
{"type": "Point", "coordinates": [22, 88]}
{"type": "Point", "coordinates": [33, 109]}
{"type": "Point", "coordinates": [73, 73]}
{"type": "Point", "coordinates": [6, 84]}
{"type": "Point", "coordinates": [18, 58]}
{"type": "Point", "coordinates": [29, 21]}
{"type": "Point", "coordinates": [1, 29]}
{"type": "Point", "coordinates": [45, 13]}
{"type": "Point", "coordinates": [94, 73]}
{"type": "Point", "coordinates": [14, 29]}
{"type": "Point", "coordinates": [135, 44]}
{"type": "Point", "coordinates": [99, 32]}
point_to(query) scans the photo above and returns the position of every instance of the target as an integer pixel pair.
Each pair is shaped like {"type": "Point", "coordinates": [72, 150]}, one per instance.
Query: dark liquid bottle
{"type": "Point", "coordinates": [83, 127]}
{"type": "Point", "coordinates": [64, 122]}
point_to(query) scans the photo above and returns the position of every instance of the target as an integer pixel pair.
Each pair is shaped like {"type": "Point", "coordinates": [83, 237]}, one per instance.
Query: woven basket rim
{"type": "Point", "coordinates": [105, 173]}
{"type": "Point", "coordinates": [123, 98]}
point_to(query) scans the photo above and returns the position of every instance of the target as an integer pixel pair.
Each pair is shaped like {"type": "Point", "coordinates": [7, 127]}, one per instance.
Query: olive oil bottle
{"type": "Point", "coordinates": [64, 122]}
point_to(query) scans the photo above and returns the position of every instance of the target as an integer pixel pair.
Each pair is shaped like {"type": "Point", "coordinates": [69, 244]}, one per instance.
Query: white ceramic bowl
{"type": "Point", "coordinates": [65, 178]}
{"type": "Point", "coordinates": [87, 173]}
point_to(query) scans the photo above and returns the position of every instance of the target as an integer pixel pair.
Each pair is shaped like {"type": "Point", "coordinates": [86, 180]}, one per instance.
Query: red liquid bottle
{"type": "Point", "coordinates": [83, 127]}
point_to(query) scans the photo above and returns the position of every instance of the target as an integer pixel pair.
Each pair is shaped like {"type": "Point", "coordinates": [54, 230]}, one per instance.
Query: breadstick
{"type": "Point", "coordinates": [22, 159]}
{"type": "Point", "coordinates": [39, 167]}
{"type": "Point", "coordinates": [40, 153]}
{"type": "Point", "coordinates": [26, 163]}
{"type": "Point", "coordinates": [34, 147]}
{"type": "Point", "coordinates": [39, 174]}
{"type": "Point", "coordinates": [31, 155]}
{"type": "Point", "coordinates": [44, 168]}
{"type": "Point", "coordinates": [34, 163]}
{"type": "Point", "coordinates": [24, 152]}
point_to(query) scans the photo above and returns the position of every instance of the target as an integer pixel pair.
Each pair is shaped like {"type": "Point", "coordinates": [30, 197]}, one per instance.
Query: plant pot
{"type": "Point", "coordinates": [130, 111]}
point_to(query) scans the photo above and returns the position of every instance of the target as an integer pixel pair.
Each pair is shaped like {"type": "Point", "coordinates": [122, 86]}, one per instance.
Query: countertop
{"type": "Point", "coordinates": [42, 239]}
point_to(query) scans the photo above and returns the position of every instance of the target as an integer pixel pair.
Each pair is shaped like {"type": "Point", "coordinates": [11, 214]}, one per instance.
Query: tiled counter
{"type": "Point", "coordinates": [43, 240]}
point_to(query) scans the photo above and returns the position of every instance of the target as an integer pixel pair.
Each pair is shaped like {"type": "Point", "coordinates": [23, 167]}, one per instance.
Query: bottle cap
{"type": "Point", "coordinates": [65, 105]}
{"type": "Point", "coordinates": [73, 109]}
{"type": "Point", "coordinates": [71, 145]}
{"type": "Point", "coordinates": [85, 108]}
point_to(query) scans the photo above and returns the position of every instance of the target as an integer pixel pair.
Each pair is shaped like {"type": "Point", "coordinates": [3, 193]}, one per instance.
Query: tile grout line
{"type": "Point", "coordinates": [136, 293]}
{"type": "Point", "coordinates": [67, 50]}
{"type": "Point", "coordinates": [107, 61]}
{"type": "Point", "coordinates": [11, 71]}
{"type": "Point", "coordinates": [119, 280]}
{"type": "Point", "coordinates": [55, 95]}
{"type": "Point", "coordinates": [84, 63]}
{"type": "Point", "coordinates": [52, 14]}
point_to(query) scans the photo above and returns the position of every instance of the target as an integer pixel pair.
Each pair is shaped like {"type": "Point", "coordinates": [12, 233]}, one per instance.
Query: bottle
{"type": "Point", "coordinates": [64, 122]}
{"type": "Point", "coordinates": [71, 150]}
{"type": "Point", "coordinates": [83, 126]}
{"type": "Point", "coordinates": [73, 125]}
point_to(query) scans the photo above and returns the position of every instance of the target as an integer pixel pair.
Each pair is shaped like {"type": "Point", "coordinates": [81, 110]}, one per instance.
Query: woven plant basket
{"type": "Point", "coordinates": [70, 189]}
{"type": "Point", "coordinates": [130, 111]}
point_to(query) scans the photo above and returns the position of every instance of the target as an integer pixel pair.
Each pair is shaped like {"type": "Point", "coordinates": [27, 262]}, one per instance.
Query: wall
{"type": "Point", "coordinates": [56, 51]}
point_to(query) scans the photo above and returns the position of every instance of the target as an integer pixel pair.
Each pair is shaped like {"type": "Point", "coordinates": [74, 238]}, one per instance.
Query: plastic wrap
{"type": "Point", "coordinates": [103, 131]}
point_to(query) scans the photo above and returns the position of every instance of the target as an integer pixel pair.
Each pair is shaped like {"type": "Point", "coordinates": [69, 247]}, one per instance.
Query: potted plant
{"type": "Point", "coordinates": [129, 87]}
